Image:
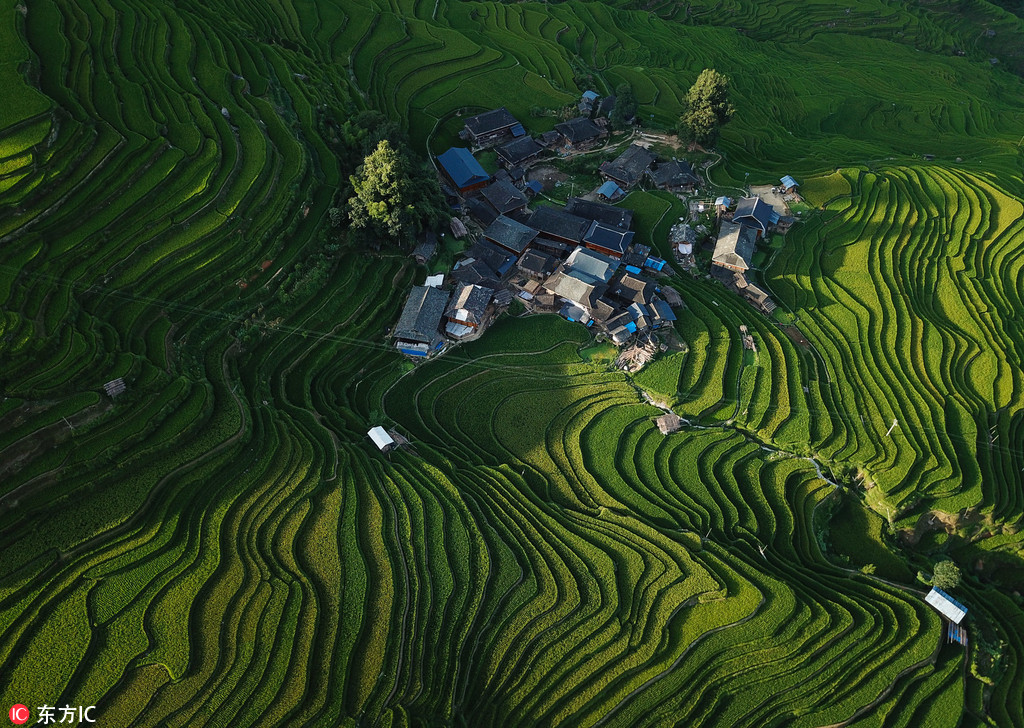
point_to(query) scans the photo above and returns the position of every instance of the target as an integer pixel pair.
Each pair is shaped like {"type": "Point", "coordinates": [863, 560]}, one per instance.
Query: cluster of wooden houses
{"type": "Point", "coordinates": [637, 163]}
{"type": "Point", "coordinates": [739, 231]}
{"type": "Point", "coordinates": [579, 260]}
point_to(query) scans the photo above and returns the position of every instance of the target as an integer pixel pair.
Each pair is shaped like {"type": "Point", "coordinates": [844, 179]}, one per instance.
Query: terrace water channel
{"type": "Point", "coordinates": [690, 425]}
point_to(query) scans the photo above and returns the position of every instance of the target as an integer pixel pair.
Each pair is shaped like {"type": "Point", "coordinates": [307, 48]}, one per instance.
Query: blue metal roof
{"type": "Point", "coordinates": [788, 181]}
{"type": "Point", "coordinates": [655, 263]}
{"type": "Point", "coordinates": [462, 168]}
{"type": "Point", "coordinates": [631, 327]}
{"type": "Point", "coordinates": [592, 95]}
{"type": "Point", "coordinates": [518, 130]}
{"type": "Point", "coordinates": [632, 269]}
{"type": "Point", "coordinates": [950, 599]}
{"type": "Point", "coordinates": [664, 310]}
{"type": "Point", "coordinates": [609, 189]}
{"type": "Point", "coordinates": [535, 186]}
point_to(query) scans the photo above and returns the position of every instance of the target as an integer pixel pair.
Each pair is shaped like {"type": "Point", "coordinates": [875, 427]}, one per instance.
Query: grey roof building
{"type": "Point", "coordinates": [605, 214]}
{"type": "Point", "coordinates": [497, 258]}
{"type": "Point", "coordinates": [633, 289]}
{"type": "Point", "coordinates": [734, 248]}
{"type": "Point", "coordinates": [504, 197]}
{"type": "Point", "coordinates": [590, 264]}
{"type": "Point", "coordinates": [418, 329]}
{"type": "Point", "coordinates": [756, 213]}
{"type": "Point", "coordinates": [579, 131]}
{"type": "Point", "coordinates": [469, 305]}
{"type": "Point", "coordinates": [490, 126]}
{"type": "Point", "coordinates": [628, 168]}
{"type": "Point", "coordinates": [576, 288]}
{"type": "Point", "coordinates": [557, 224]}
{"type": "Point", "coordinates": [537, 264]}
{"type": "Point", "coordinates": [519, 151]}
{"type": "Point", "coordinates": [475, 271]}
{"type": "Point", "coordinates": [607, 240]}
{"type": "Point", "coordinates": [674, 175]}
{"type": "Point", "coordinates": [481, 211]}
{"type": "Point", "coordinates": [426, 246]}
{"type": "Point", "coordinates": [551, 139]}
{"type": "Point", "coordinates": [509, 234]}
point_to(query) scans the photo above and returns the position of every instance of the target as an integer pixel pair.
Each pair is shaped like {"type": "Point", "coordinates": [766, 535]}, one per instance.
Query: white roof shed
{"type": "Point", "coordinates": [380, 438]}
{"type": "Point", "coordinates": [948, 607]}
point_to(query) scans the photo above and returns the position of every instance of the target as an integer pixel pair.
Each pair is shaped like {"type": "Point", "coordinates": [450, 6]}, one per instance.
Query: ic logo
{"type": "Point", "coordinates": [19, 714]}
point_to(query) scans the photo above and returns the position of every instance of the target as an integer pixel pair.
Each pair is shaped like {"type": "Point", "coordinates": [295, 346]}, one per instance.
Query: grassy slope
{"type": "Point", "coordinates": [221, 546]}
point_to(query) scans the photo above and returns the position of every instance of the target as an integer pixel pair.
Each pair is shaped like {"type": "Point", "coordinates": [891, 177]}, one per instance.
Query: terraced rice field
{"type": "Point", "coordinates": [221, 545]}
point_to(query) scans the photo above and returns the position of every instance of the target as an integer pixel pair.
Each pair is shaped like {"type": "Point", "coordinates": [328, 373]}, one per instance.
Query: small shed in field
{"type": "Point", "coordinates": [946, 605]}
{"type": "Point", "coordinates": [668, 423]}
{"type": "Point", "coordinates": [381, 438]}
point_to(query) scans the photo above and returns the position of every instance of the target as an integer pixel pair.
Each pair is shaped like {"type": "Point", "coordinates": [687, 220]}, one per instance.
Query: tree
{"type": "Point", "coordinates": [625, 106]}
{"type": "Point", "coordinates": [382, 194]}
{"type": "Point", "coordinates": [946, 575]}
{"type": "Point", "coordinates": [707, 108]}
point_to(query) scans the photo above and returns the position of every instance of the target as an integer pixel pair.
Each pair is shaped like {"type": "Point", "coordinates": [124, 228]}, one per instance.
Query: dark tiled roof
{"type": "Point", "coordinates": [476, 272]}
{"type": "Point", "coordinates": [620, 319]}
{"type": "Point", "coordinates": [422, 315]}
{"type": "Point", "coordinates": [578, 130]}
{"type": "Point", "coordinates": [480, 210]}
{"type": "Point", "coordinates": [462, 168]}
{"type": "Point", "coordinates": [629, 167]}
{"type": "Point", "coordinates": [499, 259]}
{"type": "Point", "coordinates": [534, 261]}
{"type": "Point", "coordinates": [634, 289]}
{"type": "Point", "coordinates": [503, 197]}
{"type": "Point", "coordinates": [677, 173]}
{"type": "Point", "coordinates": [755, 211]}
{"type": "Point", "coordinates": [551, 138]}
{"type": "Point", "coordinates": [556, 222]}
{"type": "Point", "coordinates": [605, 214]}
{"type": "Point", "coordinates": [518, 151]}
{"type": "Point", "coordinates": [469, 303]}
{"type": "Point", "coordinates": [510, 234]}
{"type": "Point", "coordinates": [491, 121]}
{"type": "Point", "coordinates": [426, 245]}
{"type": "Point", "coordinates": [735, 245]}
{"type": "Point", "coordinates": [607, 238]}
{"type": "Point", "coordinates": [549, 244]}
{"type": "Point", "coordinates": [601, 311]}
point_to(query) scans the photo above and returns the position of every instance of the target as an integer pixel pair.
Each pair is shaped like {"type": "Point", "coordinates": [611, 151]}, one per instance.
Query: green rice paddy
{"type": "Point", "coordinates": [221, 545]}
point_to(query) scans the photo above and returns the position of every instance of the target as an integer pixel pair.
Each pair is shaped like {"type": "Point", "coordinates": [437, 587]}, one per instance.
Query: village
{"type": "Point", "coordinates": [579, 260]}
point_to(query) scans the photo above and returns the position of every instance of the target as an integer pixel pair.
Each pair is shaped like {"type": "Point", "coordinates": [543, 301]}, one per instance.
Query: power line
{"type": "Point", "coordinates": [380, 346]}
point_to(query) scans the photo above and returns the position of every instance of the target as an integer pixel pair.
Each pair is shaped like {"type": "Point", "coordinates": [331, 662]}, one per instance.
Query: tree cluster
{"type": "Point", "coordinates": [392, 194]}
{"type": "Point", "coordinates": [707, 108]}
{"type": "Point", "coordinates": [625, 107]}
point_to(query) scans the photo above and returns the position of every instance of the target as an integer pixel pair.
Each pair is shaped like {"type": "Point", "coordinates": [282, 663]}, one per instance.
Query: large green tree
{"type": "Point", "coordinates": [707, 108]}
{"type": "Point", "coordinates": [946, 575]}
{"type": "Point", "coordinates": [383, 194]}
{"type": "Point", "coordinates": [625, 106]}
